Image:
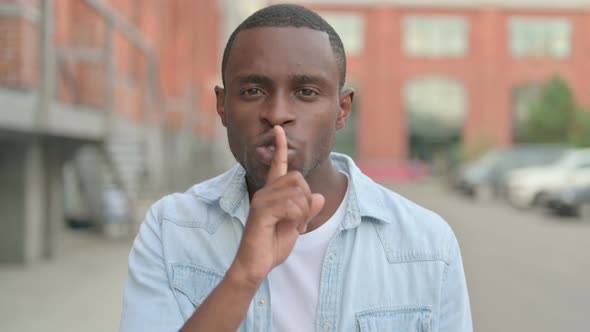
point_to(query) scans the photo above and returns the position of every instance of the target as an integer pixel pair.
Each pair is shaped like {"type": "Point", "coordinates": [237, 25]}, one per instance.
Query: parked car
{"type": "Point", "coordinates": [569, 201]}
{"type": "Point", "coordinates": [486, 177]}
{"type": "Point", "coordinates": [532, 186]}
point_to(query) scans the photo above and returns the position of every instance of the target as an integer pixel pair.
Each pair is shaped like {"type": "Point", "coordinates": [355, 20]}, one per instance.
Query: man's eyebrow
{"type": "Point", "coordinates": [253, 79]}
{"type": "Point", "coordinates": [307, 79]}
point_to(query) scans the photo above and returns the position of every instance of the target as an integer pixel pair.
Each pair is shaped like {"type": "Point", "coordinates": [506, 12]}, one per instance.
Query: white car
{"type": "Point", "coordinates": [532, 185]}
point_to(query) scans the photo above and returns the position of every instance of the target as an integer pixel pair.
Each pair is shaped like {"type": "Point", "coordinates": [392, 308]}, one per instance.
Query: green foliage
{"type": "Point", "coordinates": [550, 118]}
{"type": "Point", "coordinates": [580, 129]}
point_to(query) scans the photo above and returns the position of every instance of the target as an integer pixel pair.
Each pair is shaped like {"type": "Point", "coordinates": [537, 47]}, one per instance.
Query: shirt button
{"type": "Point", "coordinates": [326, 327]}
{"type": "Point", "coordinates": [332, 257]}
{"type": "Point", "coordinates": [261, 302]}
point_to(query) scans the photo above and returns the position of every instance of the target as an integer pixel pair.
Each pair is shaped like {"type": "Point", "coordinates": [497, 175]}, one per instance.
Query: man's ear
{"type": "Point", "coordinates": [220, 104]}
{"type": "Point", "coordinates": [346, 98]}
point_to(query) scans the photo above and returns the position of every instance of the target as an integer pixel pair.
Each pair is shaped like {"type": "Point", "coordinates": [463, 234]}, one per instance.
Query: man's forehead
{"type": "Point", "coordinates": [266, 48]}
{"type": "Point", "coordinates": [278, 39]}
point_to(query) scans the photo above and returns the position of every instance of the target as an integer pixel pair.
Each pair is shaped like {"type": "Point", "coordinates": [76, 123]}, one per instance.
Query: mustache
{"type": "Point", "coordinates": [269, 139]}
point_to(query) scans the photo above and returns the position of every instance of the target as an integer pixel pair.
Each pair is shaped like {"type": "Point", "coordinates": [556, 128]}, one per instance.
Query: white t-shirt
{"type": "Point", "coordinates": [295, 284]}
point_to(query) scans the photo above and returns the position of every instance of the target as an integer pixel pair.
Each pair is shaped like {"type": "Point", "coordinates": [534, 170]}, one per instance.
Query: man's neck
{"type": "Point", "coordinates": [332, 185]}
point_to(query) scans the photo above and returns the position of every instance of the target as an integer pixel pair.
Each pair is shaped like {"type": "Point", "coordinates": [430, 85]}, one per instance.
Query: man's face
{"type": "Point", "coordinates": [282, 76]}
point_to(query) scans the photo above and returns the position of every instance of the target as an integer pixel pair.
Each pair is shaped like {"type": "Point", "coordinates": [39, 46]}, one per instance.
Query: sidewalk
{"type": "Point", "coordinates": [81, 290]}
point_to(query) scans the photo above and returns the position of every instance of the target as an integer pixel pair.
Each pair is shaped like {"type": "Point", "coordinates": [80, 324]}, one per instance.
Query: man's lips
{"type": "Point", "coordinates": [266, 153]}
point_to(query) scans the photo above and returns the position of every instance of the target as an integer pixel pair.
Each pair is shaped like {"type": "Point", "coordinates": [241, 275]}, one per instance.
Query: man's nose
{"type": "Point", "coordinates": [278, 111]}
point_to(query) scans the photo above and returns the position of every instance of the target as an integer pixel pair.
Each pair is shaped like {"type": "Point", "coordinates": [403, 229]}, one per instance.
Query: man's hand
{"type": "Point", "coordinates": [279, 213]}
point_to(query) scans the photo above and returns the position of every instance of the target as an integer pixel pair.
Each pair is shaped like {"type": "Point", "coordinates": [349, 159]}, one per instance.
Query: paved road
{"type": "Point", "coordinates": [80, 291]}
{"type": "Point", "coordinates": [526, 271]}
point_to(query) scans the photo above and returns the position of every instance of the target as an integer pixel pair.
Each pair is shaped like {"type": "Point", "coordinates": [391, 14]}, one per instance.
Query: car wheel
{"type": "Point", "coordinates": [568, 211]}
{"type": "Point", "coordinates": [540, 199]}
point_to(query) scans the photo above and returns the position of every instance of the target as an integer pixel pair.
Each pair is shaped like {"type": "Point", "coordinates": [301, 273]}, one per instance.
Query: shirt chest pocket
{"type": "Point", "coordinates": [403, 319]}
{"type": "Point", "coordinates": [195, 282]}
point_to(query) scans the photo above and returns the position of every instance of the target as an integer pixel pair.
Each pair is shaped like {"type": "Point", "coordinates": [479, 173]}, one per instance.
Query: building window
{"type": "Point", "coordinates": [540, 37]}
{"type": "Point", "coordinates": [351, 29]}
{"type": "Point", "coordinates": [435, 108]}
{"type": "Point", "coordinates": [437, 99]}
{"type": "Point", "coordinates": [435, 36]}
{"type": "Point", "coordinates": [247, 8]}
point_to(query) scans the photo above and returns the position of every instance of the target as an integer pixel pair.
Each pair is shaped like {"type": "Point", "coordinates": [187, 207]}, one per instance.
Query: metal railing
{"type": "Point", "coordinates": [104, 55]}
{"type": "Point", "coordinates": [56, 58]}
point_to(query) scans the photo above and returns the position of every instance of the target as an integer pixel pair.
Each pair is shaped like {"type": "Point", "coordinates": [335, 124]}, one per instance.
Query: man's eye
{"type": "Point", "coordinates": [252, 92]}
{"type": "Point", "coordinates": [307, 92]}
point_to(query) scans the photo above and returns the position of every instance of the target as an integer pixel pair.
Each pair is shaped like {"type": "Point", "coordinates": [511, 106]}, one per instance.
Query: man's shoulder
{"type": "Point", "coordinates": [410, 231]}
{"type": "Point", "coordinates": [401, 210]}
{"type": "Point", "coordinates": [400, 219]}
{"type": "Point", "coordinates": [195, 202]}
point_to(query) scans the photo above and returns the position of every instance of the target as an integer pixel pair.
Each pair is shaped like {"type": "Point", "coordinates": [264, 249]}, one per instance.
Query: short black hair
{"type": "Point", "coordinates": [288, 15]}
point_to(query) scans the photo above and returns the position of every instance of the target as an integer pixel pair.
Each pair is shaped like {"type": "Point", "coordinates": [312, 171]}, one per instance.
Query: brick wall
{"type": "Point", "coordinates": [18, 48]}
{"type": "Point", "coordinates": [78, 26]}
{"type": "Point", "coordinates": [189, 53]}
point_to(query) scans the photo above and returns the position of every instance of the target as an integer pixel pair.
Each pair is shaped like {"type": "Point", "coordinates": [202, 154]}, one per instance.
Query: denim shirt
{"type": "Point", "coordinates": [392, 266]}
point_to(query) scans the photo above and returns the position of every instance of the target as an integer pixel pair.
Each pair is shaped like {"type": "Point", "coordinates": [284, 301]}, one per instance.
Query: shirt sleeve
{"type": "Point", "coordinates": [455, 309]}
{"type": "Point", "coordinates": [149, 303]}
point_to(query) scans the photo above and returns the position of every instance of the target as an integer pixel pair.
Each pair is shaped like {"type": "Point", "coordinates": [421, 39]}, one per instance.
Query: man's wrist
{"type": "Point", "coordinates": [241, 279]}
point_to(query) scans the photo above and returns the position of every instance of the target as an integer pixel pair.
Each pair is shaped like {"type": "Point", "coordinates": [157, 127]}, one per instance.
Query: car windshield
{"type": "Point", "coordinates": [571, 159]}
{"type": "Point", "coordinates": [530, 156]}
{"type": "Point", "coordinates": [545, 156]}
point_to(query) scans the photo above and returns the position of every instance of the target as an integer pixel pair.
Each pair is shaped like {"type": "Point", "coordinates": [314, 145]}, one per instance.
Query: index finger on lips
{"type": "Point", "coordinates": [280, 158]}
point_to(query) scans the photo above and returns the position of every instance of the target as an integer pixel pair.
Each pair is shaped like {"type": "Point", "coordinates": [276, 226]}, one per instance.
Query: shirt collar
{"type": "Point", "coordinates": [365, 199]}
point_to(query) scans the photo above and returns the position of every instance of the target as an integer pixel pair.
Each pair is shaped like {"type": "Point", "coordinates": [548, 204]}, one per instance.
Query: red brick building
{"type": "Point", "coordinates": [466, 63]}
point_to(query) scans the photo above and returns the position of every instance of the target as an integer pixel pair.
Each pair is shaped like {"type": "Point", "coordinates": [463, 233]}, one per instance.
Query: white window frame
{"type": "Point", "coordinates": [449, 115]}
{"type": "Point", "coordinates": [521, 45]}
{"type": "Point", "coordinates": [432, 45]}
{"type": "Point", "coordinates": [351, 29]}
